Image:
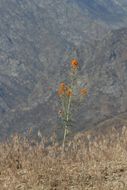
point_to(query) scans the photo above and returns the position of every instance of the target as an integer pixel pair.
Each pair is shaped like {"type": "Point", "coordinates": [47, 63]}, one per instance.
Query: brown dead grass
{"type": "Point", "coordinates": [90, 162]}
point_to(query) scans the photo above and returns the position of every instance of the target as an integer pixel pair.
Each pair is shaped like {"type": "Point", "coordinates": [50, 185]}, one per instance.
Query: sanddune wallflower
{"type": "Point", "coordinates": [61, 89]}
{"type": "Point", "coordinates": [67, 95]}
{"type": "Point", "coordinates": [74, 64]}
{"type": "Point", "coordinates": [69, 92]}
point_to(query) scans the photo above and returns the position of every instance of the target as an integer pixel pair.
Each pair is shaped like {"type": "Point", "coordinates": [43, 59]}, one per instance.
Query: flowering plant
{"type": "Point", "coordinates": [66, 94]}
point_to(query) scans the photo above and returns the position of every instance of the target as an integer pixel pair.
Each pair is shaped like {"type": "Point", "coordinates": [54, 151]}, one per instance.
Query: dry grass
{"type": "Point", "coordinates": [90, 161]}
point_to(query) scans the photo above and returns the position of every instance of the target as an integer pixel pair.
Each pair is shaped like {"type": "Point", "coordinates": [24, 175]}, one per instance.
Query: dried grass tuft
{"type": "Point", "coordinates": [90, 161]}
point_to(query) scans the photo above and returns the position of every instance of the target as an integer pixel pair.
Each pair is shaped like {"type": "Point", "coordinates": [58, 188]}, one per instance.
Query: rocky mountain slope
{"type": "Point", "coordinates": [106, 72]}
{"type": "Point", "coordinates": [35, 37]}
{"type": "Point", "coordinates": [113, 12]}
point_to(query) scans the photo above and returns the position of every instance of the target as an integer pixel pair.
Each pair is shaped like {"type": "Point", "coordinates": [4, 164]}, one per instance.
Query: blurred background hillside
{"type": "Point", "coordinates": [36, 37]}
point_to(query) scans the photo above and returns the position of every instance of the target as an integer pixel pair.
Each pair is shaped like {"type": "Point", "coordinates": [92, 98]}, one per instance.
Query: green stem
{"type": "Point", "coordinates": [67, 112]}
{"type": "Point", "coordinates": [67, 119]}
{"type": "Point", "coordinates": [65, 133]}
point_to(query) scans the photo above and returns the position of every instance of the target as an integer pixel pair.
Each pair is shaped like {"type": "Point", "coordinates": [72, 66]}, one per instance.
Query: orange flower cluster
{"type": "Point", "coordinates": [74, 64]}
{"type": "Point", "coordinates": [83, 91]}
{"type": "Point", "coordinates": [64, 90]}
{"type": "Point", "coordinates": [69, 92]}
{"type": "Point", "coordinates": [61, 89]}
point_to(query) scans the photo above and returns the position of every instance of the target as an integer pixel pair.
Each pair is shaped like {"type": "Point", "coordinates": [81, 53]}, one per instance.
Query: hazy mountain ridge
{"type": "Point", "coordinates": [110, 11]}
{"type": "Point", "coordinates": [34, 38]}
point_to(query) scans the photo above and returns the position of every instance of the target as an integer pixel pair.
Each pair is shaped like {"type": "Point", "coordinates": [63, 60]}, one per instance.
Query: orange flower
{"type": "Point", "coordinates": [61, 89]}
{"type": "Point", "coordinates": [74, 64]}
{"type": "Point", "coordinates": [69, 92]}
{"type": "Point", "coordinates": [83, 91]}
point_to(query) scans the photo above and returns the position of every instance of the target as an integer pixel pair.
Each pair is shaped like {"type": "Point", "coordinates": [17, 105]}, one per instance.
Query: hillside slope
{"type": "Point", "coordinates": [35, 37]}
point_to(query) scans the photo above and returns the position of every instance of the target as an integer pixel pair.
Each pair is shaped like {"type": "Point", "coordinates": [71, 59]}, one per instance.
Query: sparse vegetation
{"type": "Point", "coordinates": [90, 161]}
